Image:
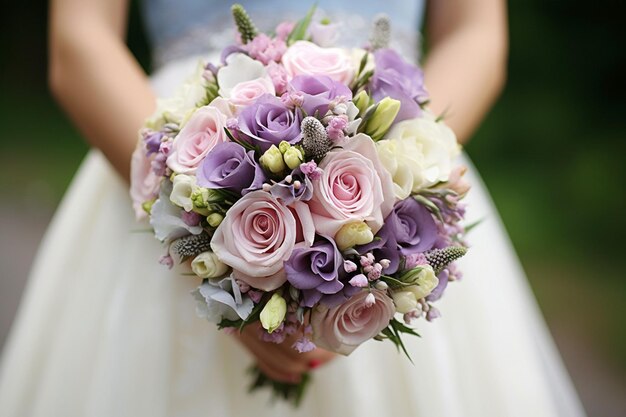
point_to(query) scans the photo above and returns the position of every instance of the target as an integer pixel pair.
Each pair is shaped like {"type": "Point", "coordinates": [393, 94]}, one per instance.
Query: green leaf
{"type": "Point", "coordinates": [432, 207]}
{"type": "Point", "coordinates": [299, 32]}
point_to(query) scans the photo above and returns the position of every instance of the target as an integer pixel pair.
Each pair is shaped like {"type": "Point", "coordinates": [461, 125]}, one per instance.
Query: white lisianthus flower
{"type": "Point", "coordinates": [240, 68]}
{"type": "Point", "coordinates": [207, 265]}
{"type": "Point", "coordinates": [184, 187]}
{"type": "Point", "coordinates": [424, 279]}
{"type": "Point", "coordinates": [222, 299]}
{"type": "Point", "coordinates": [437, 147]}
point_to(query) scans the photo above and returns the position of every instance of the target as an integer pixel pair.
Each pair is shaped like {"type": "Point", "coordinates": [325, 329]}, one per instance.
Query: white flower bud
{"type": "Point", "coordinates": [183, 188]}
{"type": "Point", "coordinates": [207, 265]}
{"type": "Point", "coordinates": [352, 234]}
{"type": "Point", "coordinates": [405, 301]}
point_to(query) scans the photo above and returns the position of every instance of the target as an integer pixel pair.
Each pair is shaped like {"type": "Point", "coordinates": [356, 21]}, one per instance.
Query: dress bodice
{"type": "Point", "coordinates": [182, 28]}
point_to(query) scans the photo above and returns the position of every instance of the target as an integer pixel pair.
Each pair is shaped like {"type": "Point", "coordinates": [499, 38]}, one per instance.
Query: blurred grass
{"type": "Point", "coordinates": [551, 152]}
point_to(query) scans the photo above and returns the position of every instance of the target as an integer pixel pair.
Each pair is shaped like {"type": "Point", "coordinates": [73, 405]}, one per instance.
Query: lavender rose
{"type": "Point", "coordinates": [268, 121]}
{"type": "Point", "coordinates": [318, 92]}
{"type": "Point", "coordinates": [400, 80]}
{"type": "Point", "coordinates": [409, 228]}
{"type": "Point", "coordinates": [343, 328]}
{"type": "Point", "coordinates": [412, 226]}
{"type": "Point", "coordinates": [315, 270]}
{"type": "Point", "coordinates": [229, 166]}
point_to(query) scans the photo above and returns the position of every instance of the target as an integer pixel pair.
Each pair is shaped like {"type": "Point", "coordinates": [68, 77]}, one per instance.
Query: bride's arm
{"type": "Point", "coordinates": [465, 69]}
{"type": "Point", "coordinates": [95, 78]}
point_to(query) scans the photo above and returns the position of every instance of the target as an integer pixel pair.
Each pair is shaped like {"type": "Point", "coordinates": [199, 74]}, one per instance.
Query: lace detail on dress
{"type": "Point", "coordinates": [210, 39]}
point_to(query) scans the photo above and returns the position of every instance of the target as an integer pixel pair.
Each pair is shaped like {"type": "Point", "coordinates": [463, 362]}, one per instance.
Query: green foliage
{"type": "Point", "coordinates": [394, 333]}
{"type": "Point", "coordinates": [291, 393]}
{"type": "Point", "coordinates": [299, 31]}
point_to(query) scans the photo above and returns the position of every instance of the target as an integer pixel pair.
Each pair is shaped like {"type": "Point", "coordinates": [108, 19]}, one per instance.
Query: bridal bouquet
{"type": "Point", "coordinates": [308, 187]}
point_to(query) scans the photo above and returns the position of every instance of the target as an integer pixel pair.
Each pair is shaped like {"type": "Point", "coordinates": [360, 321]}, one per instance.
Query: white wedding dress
{"type": "Point", "coordinates": [104, 330]}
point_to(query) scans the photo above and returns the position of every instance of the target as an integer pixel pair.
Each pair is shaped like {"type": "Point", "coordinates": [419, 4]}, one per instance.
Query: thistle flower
{"type": "Point", "coordinates": [381, 32]}
{"type": "Point", "coordinates": [315, 140]}
{"type": "Point", "coordinates": [244, 24]}
{"type": "Point", "coordinates": [438, 259]}
{"type": "Point", "coordinates": [191, 245]}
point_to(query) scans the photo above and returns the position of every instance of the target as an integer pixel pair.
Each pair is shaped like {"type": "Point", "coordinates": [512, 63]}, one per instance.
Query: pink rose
{"type": "Point", "coordinates": [144, 183]}
{"type": "Point", "coordinates": [247, 92]}
{"type": "Point", "coordinates": [343, 328]}
{"type": "Point", "coordinates": [199, 135]}
{"type": "Point", "coordinates": [257, 235]}
{"type": "Point", "coordinates": [306, 58]}
{"type": "Point", "coordinates": [354, 186]}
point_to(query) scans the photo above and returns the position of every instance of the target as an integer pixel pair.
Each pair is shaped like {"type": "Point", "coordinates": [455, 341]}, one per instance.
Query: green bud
{"type": "Point", "coordinates": [272, 160]}
{"type": "Point", "coordinates": [293, 157]}
{"type": "Point", "coordinates": [283, 146]}
{"type": "Point", "coordinates": [273, 313]}
{"type": "Point", "coordinates": [383, 117]}
{"type": "Point", "coordinates": [362, 101]}
{"type": "Point", "coordinates": [214, 219]}
{"type": "Point", "coordinates": [147, 206]}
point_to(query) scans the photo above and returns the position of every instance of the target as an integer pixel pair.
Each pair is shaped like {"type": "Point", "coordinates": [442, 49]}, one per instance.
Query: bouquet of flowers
{"type": "Point", "coordinates": [308, 187]}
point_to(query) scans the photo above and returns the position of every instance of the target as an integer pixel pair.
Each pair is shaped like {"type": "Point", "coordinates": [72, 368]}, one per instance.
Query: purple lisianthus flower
{"type": "Point", "coordinates": [299, 188]}
{"type": "Point", "coordinates": [152, 140]}
{"type": "Point", "coordinates": [400, 80]}
{"type": "Point", "coordinates": [269, 121]}
{"type": "Point", "coordinates": [318, 92]}
{"type": "Point", "coordinates": [413, 226]}
{"type": "Point", "coordinates": [229, 166]}
{"type": "Point", "coordinates": [315, 270]}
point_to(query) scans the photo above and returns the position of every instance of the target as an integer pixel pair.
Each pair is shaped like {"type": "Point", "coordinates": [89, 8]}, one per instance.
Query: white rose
{"type": "Point", "coordinates": [188, 97]}
{"type": "Point", "coordinates": [239, 68]}
{"type": "Point", "coordinates": [403, 160]}
{"type": "Point", "coordinates": [436, 144]}
{"type": "Point", "coordinates": [183, 188]}
{"type": "Point", "coordinates": [207, 265]}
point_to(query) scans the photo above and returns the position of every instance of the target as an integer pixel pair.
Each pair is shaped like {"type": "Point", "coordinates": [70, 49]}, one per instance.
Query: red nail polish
{"type": "Point", "coordinates": [314, 363]}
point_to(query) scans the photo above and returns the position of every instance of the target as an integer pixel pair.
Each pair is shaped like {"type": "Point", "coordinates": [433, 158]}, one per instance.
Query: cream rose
{"type": "Point", "coordinates": [432, 143]}
{"type": "Point", "coordinates": [200, 134]}
{"type": "Point", "coordinates": [343, 328]}
{"type": "Point", "coordinates": [306, 58]}
{"type": "Point", "coordinates": [257, 235]}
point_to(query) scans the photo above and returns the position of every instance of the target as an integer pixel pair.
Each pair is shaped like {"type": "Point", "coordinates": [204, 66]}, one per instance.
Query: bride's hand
{"type": "Point", "coordinates": [280, 361]}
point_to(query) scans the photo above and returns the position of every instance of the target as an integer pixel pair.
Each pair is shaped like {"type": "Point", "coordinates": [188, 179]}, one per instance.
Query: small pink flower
{"type": "Point", "coordinates": [359, 281]}
{"type": "Point", "coordinates": [349, 266]}
{"type": "Point", "coordinates": [375, 273]}
{"type": "Point", "coordinates": [415, 259]}
{"type": "Point", "coordinates": [278, 76]}
{"type": "Point", "coordinates": [303, 345]}
{"type": "Point", "coordinates": [190, 218]}
{"type": "Point", "coordinates": [311, 170]}
{"type": "Point", "coordinates": [284, 29]}
{"type": "Point", "coordinates": [167, 261]}
{"type": "Point", "coordinates": [265, 49]}
{"type": "Point", "coordinates": [370, 300]}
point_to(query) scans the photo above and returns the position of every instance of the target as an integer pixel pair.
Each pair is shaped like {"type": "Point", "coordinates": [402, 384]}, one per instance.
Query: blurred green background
{"type": "Point", "coordinates": [551, 152]}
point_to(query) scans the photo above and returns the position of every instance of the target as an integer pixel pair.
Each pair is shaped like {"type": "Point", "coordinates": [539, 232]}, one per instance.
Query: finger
{"type": "Point", "coordinates": [276, 374]}
{"type": "Point", "coordinates": [273, 355]}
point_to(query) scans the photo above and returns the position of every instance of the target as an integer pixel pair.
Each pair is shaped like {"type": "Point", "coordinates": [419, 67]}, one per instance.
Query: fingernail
{"type": "Point", "coordinates": [314, 363]}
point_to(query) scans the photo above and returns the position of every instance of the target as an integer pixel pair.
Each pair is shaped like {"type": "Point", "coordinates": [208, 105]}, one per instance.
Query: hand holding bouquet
{"type": "Point", "coordinates": [308, 187]}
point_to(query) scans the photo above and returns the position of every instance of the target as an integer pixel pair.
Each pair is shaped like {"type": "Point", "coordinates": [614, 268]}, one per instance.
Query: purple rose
{"type": "Point", "coordinates": [394, 77]}
{"type": "Point", "coordinates": [228, 165]}
{"type": "Point", "coordinates": [315, 270]}
{"type": "Point", "coordinates": [318, 92]}
{"type": "Point", "coordinates": [408, 229]}
{"type": "Point", "coordinates": [412, 226]}
{"type": "Point", "coordinates": [268, 121]}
